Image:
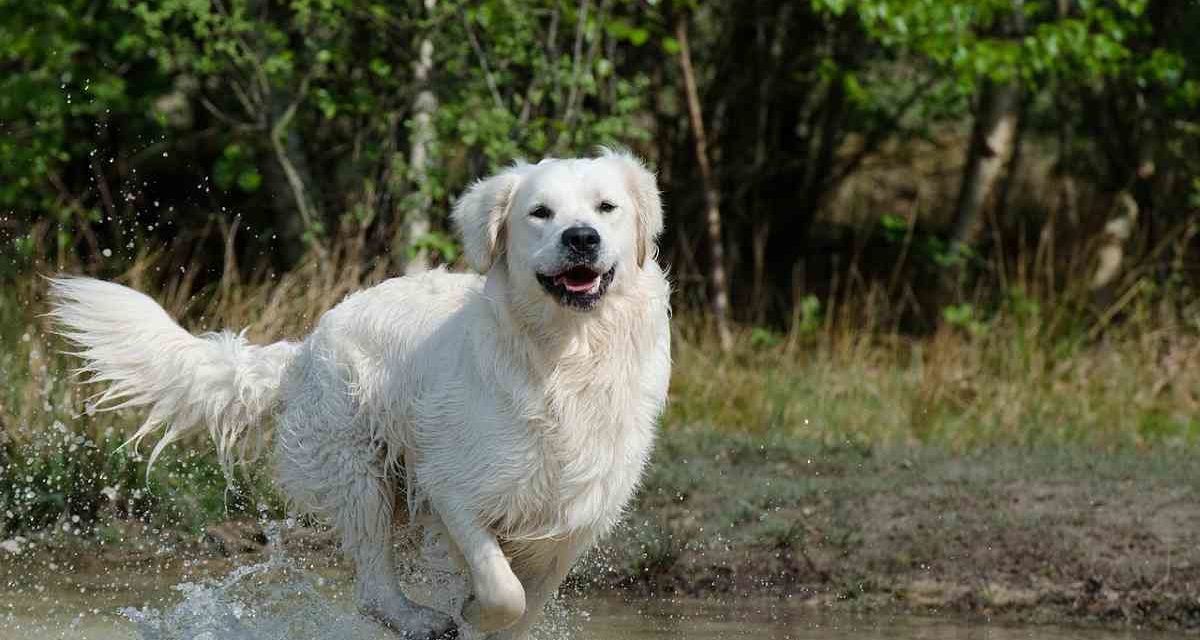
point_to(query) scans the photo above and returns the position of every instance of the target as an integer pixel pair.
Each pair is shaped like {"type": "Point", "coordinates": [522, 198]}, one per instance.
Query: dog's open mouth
{"type": "Point", "coordinates": [578, 279]}
{"type": "Point", "coordinates": [580, 286]}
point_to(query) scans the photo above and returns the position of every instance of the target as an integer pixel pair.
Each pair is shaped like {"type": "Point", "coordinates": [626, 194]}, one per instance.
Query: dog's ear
{"type": "Point", "coordinates": [643, 188]}
{"type": "Point", "coordinates": [480, 216]}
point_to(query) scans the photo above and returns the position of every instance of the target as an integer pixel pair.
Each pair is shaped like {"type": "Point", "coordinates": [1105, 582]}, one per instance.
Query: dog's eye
{"type": "Point", "coordinates": [541, 211]}
{"type": "Point", "coordinates": [606, 206]}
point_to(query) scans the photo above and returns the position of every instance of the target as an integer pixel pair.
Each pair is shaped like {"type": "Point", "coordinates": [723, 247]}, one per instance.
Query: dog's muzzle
{"type": "Point", "coordinates": [580, 283]}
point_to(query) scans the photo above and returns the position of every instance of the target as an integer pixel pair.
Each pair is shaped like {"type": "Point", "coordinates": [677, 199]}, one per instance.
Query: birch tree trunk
{"type": "Point", "coordinates": [416, 216]}
{"type": "Point", "coordinates": [991, 147]}
{"type": "Point", "coordinates": [712, 202]}
{"type": "Point", "coordinates": [1110, 255]}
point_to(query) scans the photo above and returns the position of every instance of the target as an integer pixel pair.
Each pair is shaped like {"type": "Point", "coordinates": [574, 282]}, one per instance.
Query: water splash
{"type": "Point", "coordinates": [275, 599]}
{"type": "Point", "coordinates": [279, 600]}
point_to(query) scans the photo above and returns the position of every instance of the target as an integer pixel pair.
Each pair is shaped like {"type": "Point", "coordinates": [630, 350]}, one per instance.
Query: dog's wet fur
{"type": "Point", "coordinates": [515, 406]}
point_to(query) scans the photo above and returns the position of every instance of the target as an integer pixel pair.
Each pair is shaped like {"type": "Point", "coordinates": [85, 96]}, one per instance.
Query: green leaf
{"type": "Point", "coordinates": [250, 180]}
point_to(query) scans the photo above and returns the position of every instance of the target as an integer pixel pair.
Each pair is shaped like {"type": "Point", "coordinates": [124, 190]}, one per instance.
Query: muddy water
{"type": "Point", "coordinates": [161, 596]}
{"type": "Point", "coordinates": [780, 620]}
{"type": "Point", "coordinates": [74, 615]}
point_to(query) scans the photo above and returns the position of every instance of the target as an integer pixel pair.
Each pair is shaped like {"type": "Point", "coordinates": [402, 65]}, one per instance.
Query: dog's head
{"type": "Point", "coordinates": [569, 229]}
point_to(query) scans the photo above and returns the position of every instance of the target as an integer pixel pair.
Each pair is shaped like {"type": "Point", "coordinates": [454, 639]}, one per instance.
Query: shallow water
{"type": "Point", "coordinates": [201, 615]}
{"type": "Point", "coordinates": [782, 620]}
{"type": "Point", "coordinates": [585, 619]}
{"type": "Point", "coordinates": [278, 599]}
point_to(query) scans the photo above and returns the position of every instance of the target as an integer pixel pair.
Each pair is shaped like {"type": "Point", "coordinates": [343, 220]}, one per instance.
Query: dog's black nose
{"type": "Point", "coordinates": [581, 239]}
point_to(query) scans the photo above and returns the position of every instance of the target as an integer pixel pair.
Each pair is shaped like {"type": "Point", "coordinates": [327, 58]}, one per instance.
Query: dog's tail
{"type": "Point", "coordinates": [216, 380]}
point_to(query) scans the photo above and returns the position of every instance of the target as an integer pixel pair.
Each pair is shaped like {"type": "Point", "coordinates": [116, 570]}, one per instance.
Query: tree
{"type": "Point", "coordinates": [133, 124]}
{"type": "Point", "coordinates": [416, 215]}
{"type": "Point", "coordinates": [719, 288]}
{"type": "Point", "coordinates": [993, 139]}
{"type": "Point", "coordinates": [302, 118]}
{"type": "Point", "coordinates": [995, 50]}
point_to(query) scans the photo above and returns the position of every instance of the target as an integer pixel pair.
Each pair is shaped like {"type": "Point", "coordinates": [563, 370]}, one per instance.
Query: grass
{"type": "Point", "coordinates": [1004, 385]}
{"type": "Point", "coordinates": [839, 381]}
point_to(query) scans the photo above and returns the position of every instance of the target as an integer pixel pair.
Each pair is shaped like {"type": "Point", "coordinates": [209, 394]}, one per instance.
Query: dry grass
{"type": "Point", "coordinates": [956, 389]}
{"type": "Point", "coordinates": [1020, 375]}
{"type": "Point", "coordinates": [1015, 376]}
{"type": "Point", "coordinates": [1026, 355]}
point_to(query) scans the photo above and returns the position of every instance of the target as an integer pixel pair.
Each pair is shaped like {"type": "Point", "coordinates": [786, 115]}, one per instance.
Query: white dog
{"type": "Point", "coordinates": [513, 411]}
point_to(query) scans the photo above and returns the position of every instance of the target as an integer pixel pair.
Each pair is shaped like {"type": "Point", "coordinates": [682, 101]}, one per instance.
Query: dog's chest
{"type": "Point", "coordinates": [587, 439]}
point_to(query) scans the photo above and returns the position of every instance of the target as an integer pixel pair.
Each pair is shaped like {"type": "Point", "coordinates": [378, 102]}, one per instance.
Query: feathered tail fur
{"type": "Point", "coordinates": [216, 380]}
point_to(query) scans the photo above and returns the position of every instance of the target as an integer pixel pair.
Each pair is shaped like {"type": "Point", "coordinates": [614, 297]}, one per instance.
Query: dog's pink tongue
{"type": "Point", "coordinates": [574, 285]}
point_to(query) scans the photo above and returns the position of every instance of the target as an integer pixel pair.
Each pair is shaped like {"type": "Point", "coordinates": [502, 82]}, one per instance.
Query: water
{"type": "Point", "coordinates": [200, 618]}
{"type": "Point", "coordinates": [283, 598]}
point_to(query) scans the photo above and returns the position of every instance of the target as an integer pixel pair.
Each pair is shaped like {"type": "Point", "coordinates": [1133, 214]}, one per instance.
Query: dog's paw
{"type": "Point", "coordinates": [413, 621]}
{"type": "Point", "coordinates": [495, 614]}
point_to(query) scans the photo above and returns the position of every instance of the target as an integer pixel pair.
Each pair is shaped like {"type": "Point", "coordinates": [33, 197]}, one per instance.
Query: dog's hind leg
{"type": "Point", "coordinates": [365, 522]}
{"type": "Point", "coordinates": [341, 473]}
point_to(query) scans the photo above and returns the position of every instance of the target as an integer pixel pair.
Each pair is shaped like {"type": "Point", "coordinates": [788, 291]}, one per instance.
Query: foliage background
{"type": "Point", "coordinates": [840, 132]}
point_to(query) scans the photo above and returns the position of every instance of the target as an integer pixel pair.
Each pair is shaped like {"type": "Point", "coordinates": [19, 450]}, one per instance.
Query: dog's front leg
{"type": "Point", "coordinates": [498, 599]}
{"type": "Point", "coordinates": [542, 571]}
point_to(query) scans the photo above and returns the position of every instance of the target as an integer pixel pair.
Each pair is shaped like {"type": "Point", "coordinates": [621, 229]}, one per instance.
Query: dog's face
{"type": "Point", "coordinates": [569, 231]}
{"type": "Point", "coordinates": [571, 224]}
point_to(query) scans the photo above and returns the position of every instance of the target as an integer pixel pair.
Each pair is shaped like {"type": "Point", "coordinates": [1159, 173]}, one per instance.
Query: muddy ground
{"type": "Point", "coordinates": [1019, 535]}
{"type": "Point", "coordinates": [1045, 536]}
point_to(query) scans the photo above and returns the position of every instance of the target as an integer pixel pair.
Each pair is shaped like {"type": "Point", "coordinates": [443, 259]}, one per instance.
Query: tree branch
{"type": "Point", "coordinates": [307, 214]}
{"type": "Point", "coordinates": [479, 53]}
{"type": "Point", "coordinates": [879, 134]}
{"type": "Point", "coordinates": [576, 59]}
